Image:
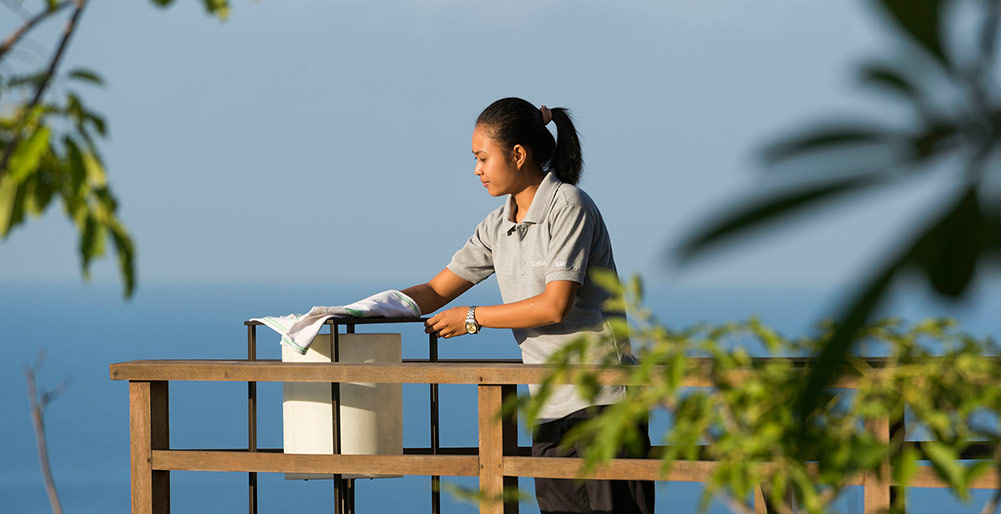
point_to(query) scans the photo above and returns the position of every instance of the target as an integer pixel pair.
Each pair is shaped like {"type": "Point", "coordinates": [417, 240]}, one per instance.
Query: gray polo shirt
{"type": "Point", "coordinates": [561, 237]}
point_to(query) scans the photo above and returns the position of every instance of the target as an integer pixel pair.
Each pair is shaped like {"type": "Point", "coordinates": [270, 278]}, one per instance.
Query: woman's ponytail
{"type": "Point", "coordinates": [513, 121]}
{"type": "Point", "coordinates": [566, 161]}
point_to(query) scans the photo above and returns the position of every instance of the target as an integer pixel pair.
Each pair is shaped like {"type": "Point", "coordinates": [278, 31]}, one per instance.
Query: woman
{"type": "Point", "coordinates": [541, 243]}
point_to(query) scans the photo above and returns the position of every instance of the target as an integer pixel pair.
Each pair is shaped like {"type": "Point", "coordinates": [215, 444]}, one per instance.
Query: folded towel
{"type": "Point", "coordinates": [298, 330]}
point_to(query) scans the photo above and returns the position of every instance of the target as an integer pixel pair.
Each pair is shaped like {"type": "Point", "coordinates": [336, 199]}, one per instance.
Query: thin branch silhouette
{"type": "Point", "coordinates": [38, 404]}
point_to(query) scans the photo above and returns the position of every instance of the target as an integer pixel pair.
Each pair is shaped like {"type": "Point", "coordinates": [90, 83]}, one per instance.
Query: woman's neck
{"type": "Point", "coordinates": [523, 198]}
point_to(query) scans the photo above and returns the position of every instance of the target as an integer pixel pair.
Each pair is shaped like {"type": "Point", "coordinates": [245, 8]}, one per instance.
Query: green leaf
{"type": "Point", "coordinates": [771, 209]}
{"type": "Point", "coordinates": [933, 138]}
{"type": "Point", "coordinates": [906, 466]}
{"type": "Point", "coordinates": [885, 77]}
{"type": "Point", "coordinates": [94, 170]}
{"type": "Point", "coordinates": [945, 462]}
{"type": "Point", "coordinates": [86, 75]}
{"type": "Point", "coordinates": [77, 169]}
{"type": "Point", "coordinates": [607, 280]}
{"type": "Point", "coordinates": [8, 205]}
{"type": "Point", "coordinates": [98, 122]}
{"type": "Point", "coordinates": [28, 153]}
{"type": "Point", "coordinates": [949, 255]}
{"type": "Point", "coordinates": [91, 243]}
{"type": "Point", "coordinates": [922, 21]}
{"type": "Point", "coordinates": [829, 138]}
{"type": "Point", "coordinates": [975, 471]}
{"type": "Point", "coordinates": [125, 253]}
{"type": "Point", "coordinates": [219, 8]}
{"type": "Point", "coordinates": [30, 80]}
{"type": "Point", "coordinates": [636, 287]}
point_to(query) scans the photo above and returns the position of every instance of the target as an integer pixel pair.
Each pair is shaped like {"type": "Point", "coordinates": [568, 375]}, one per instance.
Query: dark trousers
{"type": "Point", "coordinates": [564, 496]}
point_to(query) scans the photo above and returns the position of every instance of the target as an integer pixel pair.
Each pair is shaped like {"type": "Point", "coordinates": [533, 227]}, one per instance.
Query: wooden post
{"type": "Point", "coordinates": [149, 430]}
{"type": "Point", "coordinates": [509, 427]}
{"type": "Point", "coordinates": [760, 505]}
{"type": "Point", "coordinates": [492, 448]}
{"type": "Point", "coordinates": [876, 492]}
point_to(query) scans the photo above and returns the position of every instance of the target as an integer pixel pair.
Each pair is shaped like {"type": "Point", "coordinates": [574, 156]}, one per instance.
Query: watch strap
{"type": "Point", "coordinates": [471, 317]}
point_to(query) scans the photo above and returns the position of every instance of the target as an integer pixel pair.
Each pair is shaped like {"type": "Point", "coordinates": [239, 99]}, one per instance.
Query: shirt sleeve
{"type": "Point", "coordinates": [571, 238]}
{"type": "Point", "coordinates": [475, 260]}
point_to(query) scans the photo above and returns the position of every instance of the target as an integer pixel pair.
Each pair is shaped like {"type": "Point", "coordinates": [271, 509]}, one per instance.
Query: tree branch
{"type": "Point", "coordinates": [67, 32]}
{"type": "Point", "coordinates": [37, 409]}
{"type": "Point", "coordinates": [15, 36]}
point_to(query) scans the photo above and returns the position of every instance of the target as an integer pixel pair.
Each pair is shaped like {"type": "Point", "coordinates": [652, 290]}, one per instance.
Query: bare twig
{"type": "Point", "coordinates": [29, 24]}
{"type": "Point", "coordinates": [38, 405]}
{"type": "Point", "coordinates": [67, 32]}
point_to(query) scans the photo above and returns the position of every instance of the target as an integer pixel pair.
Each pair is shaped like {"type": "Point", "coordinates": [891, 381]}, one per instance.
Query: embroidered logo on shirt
{"type": "Point", "coordinates": [537, 264]}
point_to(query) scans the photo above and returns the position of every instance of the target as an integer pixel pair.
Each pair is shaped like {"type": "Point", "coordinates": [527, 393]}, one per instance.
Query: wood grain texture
{"type": "Point", "coordinates": [618, 469]}
{"type": "Point", "coordinates": [876, 486]}
{"type": "Point", "coordinates": [492, 444]}
{"type": "Point", "coordinates": [148, 430]}
{"type": "Point", "coordinates": [405, 373]}
{"type": "Point", "coordinates": [926, 477]}
{"type": "Point", "coordinates": [268, 462]}
{"type": "Point", "coordinates": [760, 506]}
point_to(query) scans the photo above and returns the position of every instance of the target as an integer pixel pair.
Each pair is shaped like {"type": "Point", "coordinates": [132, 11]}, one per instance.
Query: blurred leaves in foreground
{"type": "Point", "coordinates": [48, 146]}
{"type": "Point", "coordinates": [953, 130]}
{"type": "Point", "coordinates": [739, 410]}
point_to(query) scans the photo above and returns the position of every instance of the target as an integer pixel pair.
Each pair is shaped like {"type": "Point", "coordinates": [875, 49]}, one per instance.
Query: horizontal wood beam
{"type": "Point", "coordinates": [618, 469]}
{"type": "Point", "coordinates": [402, 373]}
{"type": "Point", "coordinates": [209, 460]}
{"type": "Point", "coordinates": [271, 460]}
{"type": "Point", "coordinates": [925, 477]}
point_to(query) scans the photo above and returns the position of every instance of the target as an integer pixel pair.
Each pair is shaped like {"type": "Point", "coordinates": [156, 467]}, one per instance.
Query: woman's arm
{"type": "Point", "coordinates": [436, 293]}
{"type": "Point", "coordinates": [552, 306]}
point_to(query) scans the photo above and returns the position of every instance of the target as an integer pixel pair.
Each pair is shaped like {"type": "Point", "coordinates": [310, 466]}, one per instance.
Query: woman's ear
{"type": "Point", "coordinates": [519, 155]}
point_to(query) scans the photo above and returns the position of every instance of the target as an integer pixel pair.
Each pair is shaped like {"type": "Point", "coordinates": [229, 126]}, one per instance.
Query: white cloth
{"type": "Point", "coordinates": [298, 330]}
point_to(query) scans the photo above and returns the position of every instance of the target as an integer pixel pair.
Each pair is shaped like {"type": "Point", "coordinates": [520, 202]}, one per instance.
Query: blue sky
{"type": "Point", "coordinates": [328, 142]}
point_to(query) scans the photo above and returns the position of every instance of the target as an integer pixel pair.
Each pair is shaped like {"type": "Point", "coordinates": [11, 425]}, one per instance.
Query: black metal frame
{"type": "Point", "coordinates": [344, 489]}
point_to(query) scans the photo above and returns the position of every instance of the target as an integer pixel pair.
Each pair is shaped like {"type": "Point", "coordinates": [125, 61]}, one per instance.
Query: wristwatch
{"type": "Point", "coordinates": [471, 326]}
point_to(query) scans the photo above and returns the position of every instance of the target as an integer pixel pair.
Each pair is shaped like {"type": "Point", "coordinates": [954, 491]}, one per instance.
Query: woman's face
{"type": "Point", "coordinates": [497, 168]}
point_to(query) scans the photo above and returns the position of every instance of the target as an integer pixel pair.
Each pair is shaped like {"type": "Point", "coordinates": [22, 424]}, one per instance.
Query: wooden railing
{"type": "Point", "coordinates": [497, 461]}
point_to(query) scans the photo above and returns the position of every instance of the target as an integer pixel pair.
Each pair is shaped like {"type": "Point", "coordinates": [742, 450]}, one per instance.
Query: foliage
{"type": "Point", "coordinates": [739, 410]}
{"type": "Point", "coordinates": [954, 130]}
{"type": "Point", "coordinates": [48, 146]}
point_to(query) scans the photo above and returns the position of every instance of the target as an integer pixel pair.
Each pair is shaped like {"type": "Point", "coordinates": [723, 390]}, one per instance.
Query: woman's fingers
{"type": "Point", "coordinates": [443, 327]}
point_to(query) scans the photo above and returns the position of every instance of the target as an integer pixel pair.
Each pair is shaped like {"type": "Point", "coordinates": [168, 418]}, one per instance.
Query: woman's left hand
{"type": "Point", "coordinates": [448, 323]}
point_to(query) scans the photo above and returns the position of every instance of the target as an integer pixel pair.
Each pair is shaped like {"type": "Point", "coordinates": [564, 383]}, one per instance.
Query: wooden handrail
{"type": "Point", "coordinates": [498, 460]}
{"type": "Point", "coordinates": [465, 372]}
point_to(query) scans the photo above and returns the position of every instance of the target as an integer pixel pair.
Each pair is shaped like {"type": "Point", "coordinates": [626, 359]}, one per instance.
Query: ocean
{"type": "Point", "coordinates": [84, 328]}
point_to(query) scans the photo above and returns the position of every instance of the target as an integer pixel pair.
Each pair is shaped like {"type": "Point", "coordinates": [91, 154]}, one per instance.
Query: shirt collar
{"type": "Point", "coordinates": [541, 203]}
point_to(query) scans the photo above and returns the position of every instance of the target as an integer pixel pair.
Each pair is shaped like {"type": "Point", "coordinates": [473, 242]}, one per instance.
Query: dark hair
{"type": "Point", "coordinates": [513, 121]}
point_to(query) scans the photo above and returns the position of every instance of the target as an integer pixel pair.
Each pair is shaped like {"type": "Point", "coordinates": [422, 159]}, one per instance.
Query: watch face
{"type": "Point", "coordinates": [471, 328]}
